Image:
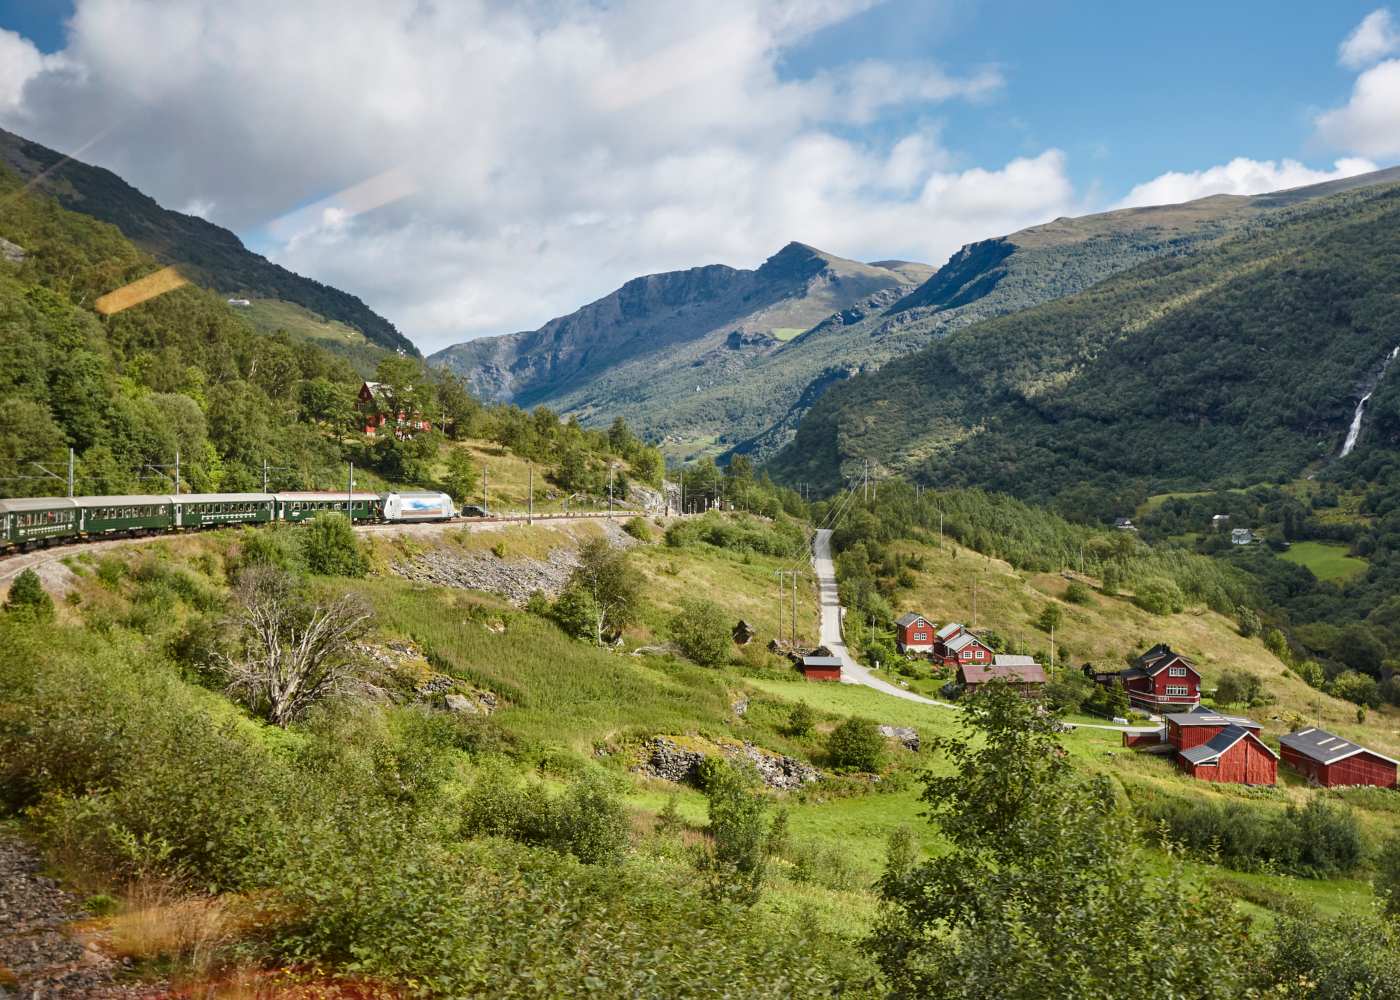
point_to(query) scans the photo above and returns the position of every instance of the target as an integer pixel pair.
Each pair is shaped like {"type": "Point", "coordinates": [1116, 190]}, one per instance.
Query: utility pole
{"type": "Point", "coordinates": [350, 493]}
{"type": "Point", "coordinates": [177, 472]}
{"type": "Point", "coordinates": [794, 607]}
{"type": "Point", "coordinates": [975, 581]}
{"type": "Point", "coordinates": [485, 489]}
{"type": "Point", "coordinates": [530, 509]}
{"type": "Point", "coordinates": [682, 490]}
{"type": "Point", "coordinates": [264, 475]}
{"type": "Point", "coordinates": [779, 617]}
{"type": "Point", "coordinates": [70, 472]}
{"type": "Point", "coordinates": [611, 469]}
{"type": "Point", "coordinates": [1052, 652]}
{"type": "Point", "coordinates": [865, 480]}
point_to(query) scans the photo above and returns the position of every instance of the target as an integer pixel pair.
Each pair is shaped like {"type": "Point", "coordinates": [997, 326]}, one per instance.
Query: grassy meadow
{"type": "Point", "coordinates": [1327, 561]}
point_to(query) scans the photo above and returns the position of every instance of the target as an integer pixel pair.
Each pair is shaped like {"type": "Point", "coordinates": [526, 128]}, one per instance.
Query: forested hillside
{"type": "Point", "coordinates": [210, 254]}
{"type": "Point", "coordinates": [1233, 365]}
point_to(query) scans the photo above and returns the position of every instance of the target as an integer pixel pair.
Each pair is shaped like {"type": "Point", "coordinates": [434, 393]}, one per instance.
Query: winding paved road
{"type": "Point", "coordinates": [851, 671]}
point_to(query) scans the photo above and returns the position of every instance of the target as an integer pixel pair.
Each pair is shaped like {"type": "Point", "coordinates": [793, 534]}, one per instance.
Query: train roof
{"type": "Point", "coordinates": [326, 495]}
{"type": "Point", "coordinates": [124, 500]}
{"type": "Point", "coordinates": [223, 497]}
{"type": "Point", "coordinates": [18, 504]}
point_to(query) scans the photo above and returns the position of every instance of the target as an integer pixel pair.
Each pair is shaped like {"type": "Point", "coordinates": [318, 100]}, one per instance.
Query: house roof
{"type": "Point", "coordinates": [1201, 716]}
{"type": "Point", "coordinates": [1325, 747]}
{"type": "Point", "coordinates": [821, 662]}
{"type": "Point", "coordinates": [980, 673]}
{"type": "Point", "coordinates": [909, 618]}
{"type": "Point", "coordinates": [1012, 660]}
{"type": "Point", "coordinates": [1159, 657]}
{"type": "Point", "coordinates": [961, 642]}
{"type": "Point", "coordinates": [952, 628]}
{"type": "Point", "coordinates": [1210, 751]}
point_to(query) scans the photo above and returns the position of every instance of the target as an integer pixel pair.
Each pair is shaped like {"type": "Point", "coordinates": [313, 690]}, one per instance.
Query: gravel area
{"type": "Point", "coordinates": [40, 956]}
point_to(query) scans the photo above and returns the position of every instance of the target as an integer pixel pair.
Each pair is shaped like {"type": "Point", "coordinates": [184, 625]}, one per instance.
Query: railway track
{"type": "Point", "coordinates": [13, 563]}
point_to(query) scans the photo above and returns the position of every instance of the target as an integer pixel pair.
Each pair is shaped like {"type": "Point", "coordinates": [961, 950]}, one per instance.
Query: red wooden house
{"type": "Point", "coordinates": [1161, 680]}
{"type": "Point", "coordinates": [1331, 761]}
{"type": "Point", "coordinates": [821, 668]}
{"type": "Point", "coordinates": [954, 645]}
{"type": "Point", "coordinates": [375, 407]}
{"type": "Point", "coordinates": [1214, 747]}
{"type": "Point", "coordinates": [913, 633]}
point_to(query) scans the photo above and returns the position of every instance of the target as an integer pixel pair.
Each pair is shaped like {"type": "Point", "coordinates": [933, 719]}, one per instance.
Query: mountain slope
{"type": "Point", "coordinates": [210, 255]}
{"type": "Point", "coordinates": [1238, 363]}
{"type": "Point", "coordinates": [661, 335]}
{"type": "Point", "coordinates": [749, 396]}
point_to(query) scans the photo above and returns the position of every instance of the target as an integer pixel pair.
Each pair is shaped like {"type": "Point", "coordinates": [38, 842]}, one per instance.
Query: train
{"type": "Point", "coordinates": [32, 522]}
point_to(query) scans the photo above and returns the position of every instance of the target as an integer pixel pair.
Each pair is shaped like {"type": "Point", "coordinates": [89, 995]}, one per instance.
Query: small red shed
{"type": "Point", "coordinates": [1331, 761]}
{"type": "Point", "coordinates": [914, 633]}
{"type": "Point", "coordinates": [962, 648]}
{"type": "Point", "coordinates": [1234, 754]}
{"type": "Point", "coordinates": [821, 668]}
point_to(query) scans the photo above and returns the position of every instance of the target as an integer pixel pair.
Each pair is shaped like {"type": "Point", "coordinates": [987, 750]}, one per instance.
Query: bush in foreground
{"type": "Point", "coordinates": [856, 745]}
{"type": "Point", "coordinates": [701, 630]}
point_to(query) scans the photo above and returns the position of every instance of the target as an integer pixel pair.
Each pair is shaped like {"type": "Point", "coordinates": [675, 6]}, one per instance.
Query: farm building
{"type": "Point", "coordinates": [1159, 680]}
{"type": "Point", "coordinates": [1233, 754]}
{"type": "Point", "coordinates": [1331, 761]}
{"type": "Point", "coordinates": [1021, 671]}
{"type": "Point", "coordinates": [821, 668]}
{"type": "Point", "coordinates": [1214, 747]}
{"type": "Point", "coordinates": [913, 633]}
{"type": "Point", "coordinates": [374, 406]}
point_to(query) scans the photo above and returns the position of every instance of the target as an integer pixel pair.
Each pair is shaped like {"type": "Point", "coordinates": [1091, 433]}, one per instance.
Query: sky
{"type": "Point", "coordinates": [476, 167]}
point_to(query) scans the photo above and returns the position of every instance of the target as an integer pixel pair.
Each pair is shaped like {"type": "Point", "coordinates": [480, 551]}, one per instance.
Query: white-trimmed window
{"type": "Point", "coordinates": [967, 654]}
{"type": "Point", "coordinates": [981, 654]}
{"type": "Point", "coordinates": [1176, 671]}
{"type": "Point", "coordinates": [1178, 689]}
{"type": "Point", "coordinates": [921, 637]}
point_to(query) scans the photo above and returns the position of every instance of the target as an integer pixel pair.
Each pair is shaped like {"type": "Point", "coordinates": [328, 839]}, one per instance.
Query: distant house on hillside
{"type": "Point", "coordinates": [1220, 522]}
{"type": "Point", "coordinates": [1159, 680]}
{"type": "Point", "coordinates": [1124, 524]}
{"type": "Point", "coordinates": [1214, 747]}
{"type": "Point", "coordinates": [377, 410]}
{"type": "Point", "coordinates": [1242, 536]}
{"type": "Point", "coordinates": [1331, 761]}
{"type": "Point", "coordinates": [913, 633]}
{"type": "Point", "coordinates": [1020, 671]}
{"type": "Point", "coordinates": [240, 303]}
{"type": "Point", "coordinates": [821, 668]}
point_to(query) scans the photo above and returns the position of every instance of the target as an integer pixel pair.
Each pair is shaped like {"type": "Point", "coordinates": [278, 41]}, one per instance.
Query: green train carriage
{"type": "Point", "coordinates": [213, 510]}
{"type": "Point", "coordinates": [111, 515]}
{"type": "Point", "coordinates": [27, 521]}
{"type": "Point", "coordinates": [296, 507]}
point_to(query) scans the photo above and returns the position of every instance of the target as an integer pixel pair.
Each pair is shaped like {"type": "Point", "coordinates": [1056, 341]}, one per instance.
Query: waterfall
{"type": "Point", "coordinates": [1354, 431]}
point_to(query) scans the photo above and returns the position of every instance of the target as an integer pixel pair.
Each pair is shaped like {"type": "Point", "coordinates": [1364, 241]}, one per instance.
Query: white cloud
{"type": "Point", "coordinates": [541, 154]}
{"type": "Point", "coordinates": [20, 61]}
{"type": "Point", "coordinates": [1239, 176]}
{"type": "Point", "coordinates": [1369, 122]}
{"type": "Point", "coordinates": [1373, 39]}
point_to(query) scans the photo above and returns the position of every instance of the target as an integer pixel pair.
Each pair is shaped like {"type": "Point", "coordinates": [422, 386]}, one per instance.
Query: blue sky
{"type": "Point", "coordinates": [478, 169]}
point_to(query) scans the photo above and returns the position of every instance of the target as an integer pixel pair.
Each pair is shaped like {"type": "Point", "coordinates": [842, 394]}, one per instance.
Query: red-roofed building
{"type": "Point", "coordinates": [1021, 671]}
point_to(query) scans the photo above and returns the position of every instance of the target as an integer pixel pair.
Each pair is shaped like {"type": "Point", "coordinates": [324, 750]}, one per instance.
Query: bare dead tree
{"type": "Point", "coordinates": [290, 652]}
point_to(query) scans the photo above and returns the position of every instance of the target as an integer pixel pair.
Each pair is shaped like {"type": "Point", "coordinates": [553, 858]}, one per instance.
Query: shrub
{"type": "Point", "coordinates": [736, 859]}
{"type": "Point", "coordinates": [1249, 622]}
{"type": "Point", "coordinates": [1239, 687]}
{"type": "Point", "coordinates": [329, 547]}
{"type": "Point", "coordinates": [702, 633]}
{"type": "Point", "coordinates": [856, 745]}
{"type": "Point", "coordinates": [1077, 593]}
{"type": "Point", "coordinates": [801, 720]}
{"type": "Point", "coordinates": [1311, 672]}
{"type": "Point", "coordinates": [1159, 597]}
{"type": "Point", "coordinates": [28, 597]}
{"type": "Point", "coordinates": [586, 820]}
{"type": "Point", "coordinates": [1355, 687]}
{"type": "Point", "coordinates": [268, 546]}
{"type": "Point", "coordinates": [827, 865]}
{"type": "Point", "coordinates": [638, 528]}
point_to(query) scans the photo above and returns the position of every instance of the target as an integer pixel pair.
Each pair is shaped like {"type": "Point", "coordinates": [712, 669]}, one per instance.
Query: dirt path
{"type": "Point", "coordinates": [40, 956]}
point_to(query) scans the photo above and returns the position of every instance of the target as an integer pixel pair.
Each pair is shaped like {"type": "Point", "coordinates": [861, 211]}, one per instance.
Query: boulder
{"type": "Point", "coordinates": [460, 704]}
{"type": "Point", "coordinates": [908, 738]}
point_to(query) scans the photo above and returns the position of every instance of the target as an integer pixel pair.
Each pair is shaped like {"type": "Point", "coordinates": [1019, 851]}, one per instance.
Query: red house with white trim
{"type": "Point", "coordinates": [1214, 747]}
{"type": "Point", "coordinates": [955, 645]}
{"type": "Point", "coordinates": [374, 406]}
{"type": "Point", "coordinates": [1161, 680]}
{"type": "Point", "coordinates": [913, 633]}
{"type": "Point", "coordinates": [1330, 761]}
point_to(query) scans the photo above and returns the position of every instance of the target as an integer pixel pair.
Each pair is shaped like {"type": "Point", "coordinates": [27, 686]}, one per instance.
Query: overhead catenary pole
{"type": "Point", "coordinates": [350, 492]}
{"type": "Point", "coordinates": [794, 607]}
{"type": "Point", "coordinates": [70, 472]}
{"type": "Point", "coordinates": [611, 469]}
{"type": "Point", "coordinates": [778, 574]}
{"type": "Point", "coordinates": [264, 475]}
{"type": "Point", "coordinates": [530, 503]}
{"type": "Point", "coordinates": [177, 472]}
{"type": "Point", "coordinates": [485, 489]}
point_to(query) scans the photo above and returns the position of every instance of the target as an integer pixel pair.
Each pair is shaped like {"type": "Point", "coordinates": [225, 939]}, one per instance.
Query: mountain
{"type": "Point", "coordinates": [208, 254]}
{"type": "Point", "coordinates": [1238, 363]}
{"type": "Point", "coordinates": [659, 339]}
{"type": "Point", "coordinates": [706, 391]}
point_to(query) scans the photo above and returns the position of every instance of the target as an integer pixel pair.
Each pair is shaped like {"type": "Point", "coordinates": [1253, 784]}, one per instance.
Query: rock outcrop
{"type": "Point", "coordinates": [666, 759]}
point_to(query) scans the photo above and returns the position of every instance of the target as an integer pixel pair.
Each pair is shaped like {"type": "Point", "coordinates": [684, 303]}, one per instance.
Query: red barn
{"type": "Point", "coordinates": [1020, 671]}
{"type": "Point", "coordinates": [914, 633]}
{"type": "Point", "coordinates": [1214, 747]}
{"type": "Point", "coordinates": [1161, 680]}
{"type": "Point", "coordinates": [821, 668]}
{"type": "Point", "coordinates": [1234, 754]}
{"type": "Point", "coordinates": [1331, 761]}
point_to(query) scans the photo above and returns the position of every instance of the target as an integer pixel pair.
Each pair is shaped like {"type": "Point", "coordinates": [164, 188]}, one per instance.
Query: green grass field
{"type": "Point", "coordinates": [786, 333]}
{"type": "Point", "coordinates": [1327, 561]}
